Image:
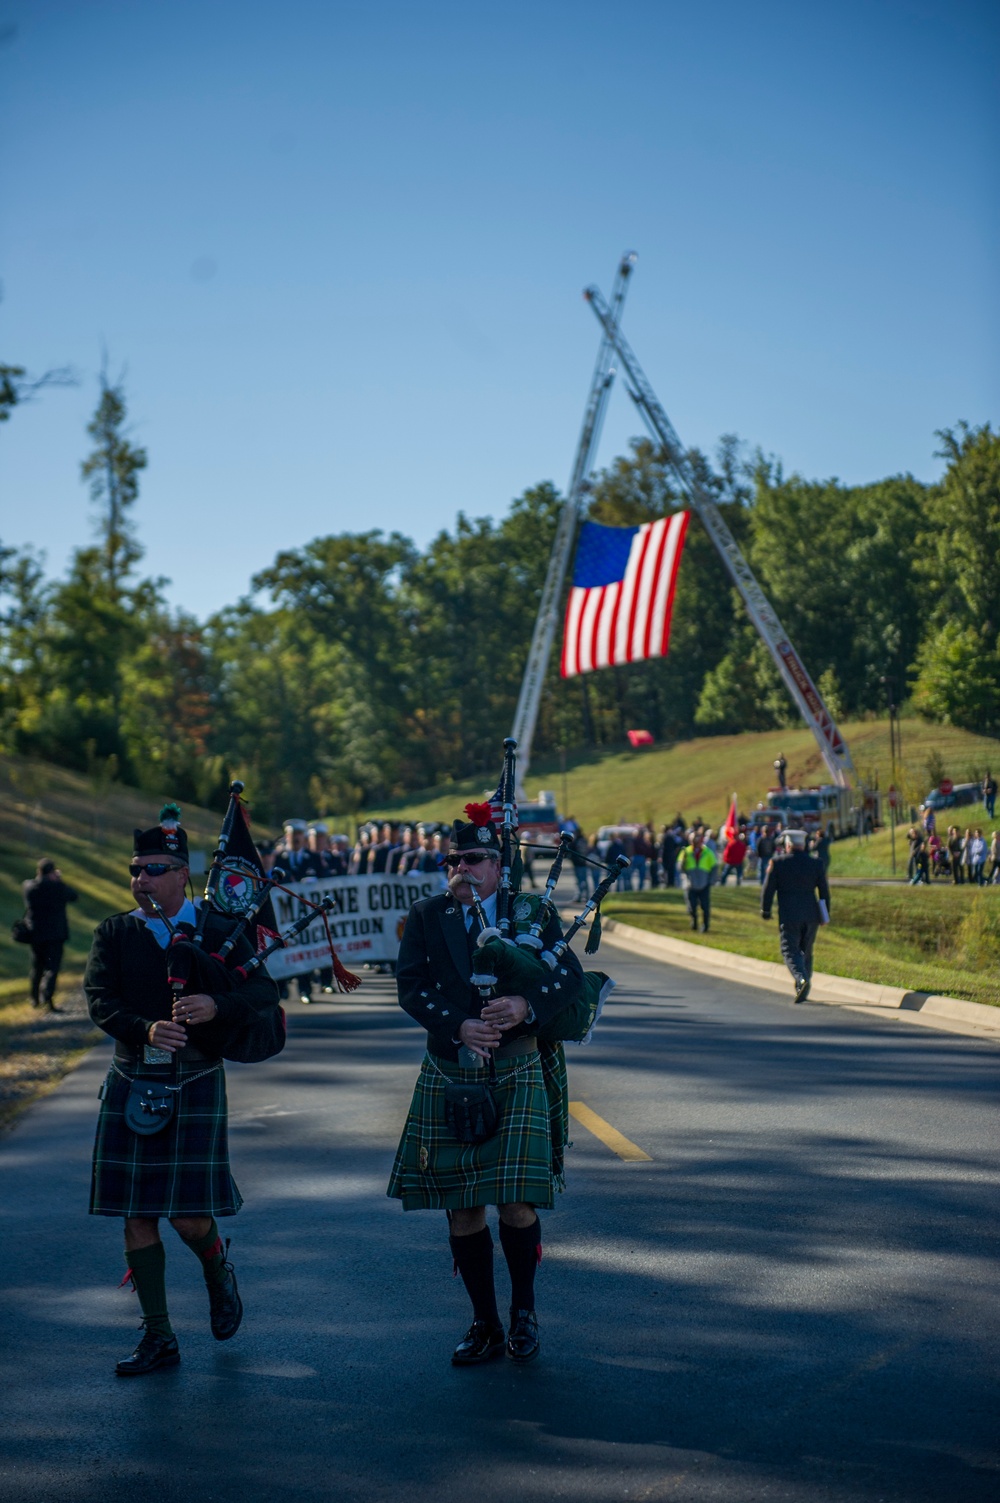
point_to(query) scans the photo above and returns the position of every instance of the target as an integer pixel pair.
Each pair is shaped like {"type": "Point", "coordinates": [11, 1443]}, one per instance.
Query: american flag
{"type": "Point", "coordinates": [622, 597]}
{"type": "Point", "coordinates": [496, 807]}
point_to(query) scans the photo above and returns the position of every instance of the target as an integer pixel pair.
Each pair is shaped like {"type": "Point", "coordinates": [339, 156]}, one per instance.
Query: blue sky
{"type": "Point", "coordinates": [340, 249]}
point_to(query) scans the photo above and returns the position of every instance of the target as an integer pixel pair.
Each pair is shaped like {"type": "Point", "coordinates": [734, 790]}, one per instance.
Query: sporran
{"type": "Point", "coordinates": [149, 1106]}
{"type": "Point", "coordinates": [471, 1111]}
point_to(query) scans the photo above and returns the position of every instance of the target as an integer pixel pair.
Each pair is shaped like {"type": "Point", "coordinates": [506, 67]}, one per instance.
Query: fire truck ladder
{"type": "Point", "coordinates": [547, 619]}
{"type": "Point", "coordinates": [797, 681]}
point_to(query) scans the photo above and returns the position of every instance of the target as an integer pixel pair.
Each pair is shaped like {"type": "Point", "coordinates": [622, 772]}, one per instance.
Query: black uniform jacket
{"type": "Point", "coordinates": [433, 970]}
{"type": "Point", "coordinates": [795, 878]}
{"type": "Point", "coordinates": [45, 900]}
{"type": "Point", "coordinates": [127, 989]}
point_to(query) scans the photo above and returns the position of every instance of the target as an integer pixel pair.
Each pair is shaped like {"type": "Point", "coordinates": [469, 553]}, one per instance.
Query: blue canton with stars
{"type": "Point", "coordinates": [602, 555]}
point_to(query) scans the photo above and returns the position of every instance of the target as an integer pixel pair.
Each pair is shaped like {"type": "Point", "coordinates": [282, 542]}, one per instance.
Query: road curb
{"type": "Point", "coordinates": [951, 1014]}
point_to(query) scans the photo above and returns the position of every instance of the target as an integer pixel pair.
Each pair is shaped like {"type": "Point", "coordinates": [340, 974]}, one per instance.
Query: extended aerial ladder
{"type": "Point", "coordinates": [547, 619]}
{"type": "Point", "coordinates": [797, 681]}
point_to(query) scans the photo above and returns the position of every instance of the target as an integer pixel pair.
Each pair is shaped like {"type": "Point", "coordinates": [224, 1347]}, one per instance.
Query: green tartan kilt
{"type": "Point", "coordinates": [522, 1161]}
{"type": "Point", "coordinates": [182, 1170]}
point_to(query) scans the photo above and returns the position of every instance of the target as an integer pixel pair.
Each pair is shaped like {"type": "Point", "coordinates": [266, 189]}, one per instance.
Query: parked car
{"type": "Point", "coordinates": [961, 794]}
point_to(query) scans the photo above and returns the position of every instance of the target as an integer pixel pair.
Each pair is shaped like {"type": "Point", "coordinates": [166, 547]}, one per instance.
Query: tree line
{"type": "Point", "coordinates": [376, 668]}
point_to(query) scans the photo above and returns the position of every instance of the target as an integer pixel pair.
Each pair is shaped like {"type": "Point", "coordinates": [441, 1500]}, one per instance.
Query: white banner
{"type": "Point", "coordinates": [366, 922]}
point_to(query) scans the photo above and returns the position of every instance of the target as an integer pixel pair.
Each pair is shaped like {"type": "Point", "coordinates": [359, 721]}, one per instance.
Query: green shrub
{"type": "Point", "coordinates": [979, 933]}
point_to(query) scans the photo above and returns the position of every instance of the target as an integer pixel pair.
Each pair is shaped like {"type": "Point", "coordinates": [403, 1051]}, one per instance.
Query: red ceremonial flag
{"type": "Point", "coordinates": [622, 598]}
{"type": "Point", "coordinates": [730, 827]}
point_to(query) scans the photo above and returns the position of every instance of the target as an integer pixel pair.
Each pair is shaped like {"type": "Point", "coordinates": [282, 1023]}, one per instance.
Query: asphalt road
{"type": "Point", "coordinates": [794, 1298]}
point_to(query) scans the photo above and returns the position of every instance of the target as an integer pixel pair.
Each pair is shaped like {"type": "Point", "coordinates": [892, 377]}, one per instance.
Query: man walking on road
{"type": "Point", "coordinates": [796, 878]}
{"type": "Point", "coordinates": [697, 865]}
{"type": "Point", "coordinates": [178, 1167]}
{"type": "Point", "coordinates": [45, 901]}
{"type": "Point", "coordinates": [515, 1168]}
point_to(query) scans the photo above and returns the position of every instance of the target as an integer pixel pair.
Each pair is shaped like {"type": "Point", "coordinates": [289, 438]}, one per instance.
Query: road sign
{"type": "Point", "coordinates": [945, 785]}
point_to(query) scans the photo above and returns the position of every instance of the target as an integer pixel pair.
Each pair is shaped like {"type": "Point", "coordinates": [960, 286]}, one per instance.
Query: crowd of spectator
{"type": "Point", "coordinates": [657, 857]}
{"type": "Point", "coordinates": [310, 852]}
{"type": "Point", "coordinates": [959, 856]}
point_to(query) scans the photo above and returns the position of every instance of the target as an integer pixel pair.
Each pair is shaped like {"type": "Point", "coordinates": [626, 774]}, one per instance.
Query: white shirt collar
{"type": "Point", "coordinates": [186, 914]}
{"type": "Point", "coordinates": [489, 908]}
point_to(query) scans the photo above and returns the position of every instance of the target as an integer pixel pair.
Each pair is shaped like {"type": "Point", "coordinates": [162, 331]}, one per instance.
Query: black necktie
{"type": "Point", "coordinates": [472, 931]}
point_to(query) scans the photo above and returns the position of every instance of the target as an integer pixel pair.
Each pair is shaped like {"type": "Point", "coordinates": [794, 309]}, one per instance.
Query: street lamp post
{"type": "Point", "coordinates": [894, 752]}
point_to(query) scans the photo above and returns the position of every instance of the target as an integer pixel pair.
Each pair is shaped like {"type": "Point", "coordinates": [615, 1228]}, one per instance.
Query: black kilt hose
{"type": "Point", "coordinates": [183, 1170]}
{"type": "Point", "coordinates": [523, 1160]}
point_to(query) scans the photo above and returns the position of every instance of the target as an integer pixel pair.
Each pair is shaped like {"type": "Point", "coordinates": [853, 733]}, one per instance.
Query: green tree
{"type": "Point", "coordinates": [472, 600]}
{"type": "Point", "coordinates": [965, 528]}
{"type": "Point", "coordinates": [744, 691]}
{"type": "Point", "coordinates": [839, 565]}
{"type": "Point", "coordinates": [113, 468]}
{"type": "Point", "coordinates": [68, 644]}
{"type": "Point", "coordinates": [24, 596]}
{"type": "Point", "coordinates": [168, 705]}
{"type": "Point", "coordinates": [958, 679]}
{"type": "Point", "coordinates": [957, 667]}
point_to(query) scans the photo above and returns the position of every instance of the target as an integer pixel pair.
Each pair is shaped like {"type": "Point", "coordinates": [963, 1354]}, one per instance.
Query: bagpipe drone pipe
{"type": "Point", "coordinates": [238, 889]}
{"type": "Point", "coordinates": [512, 957]}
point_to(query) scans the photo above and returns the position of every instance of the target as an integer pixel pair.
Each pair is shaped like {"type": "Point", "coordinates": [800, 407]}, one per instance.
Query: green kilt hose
{"type": "Point", "coordinates": [182, 1170]}
{"type": "Point", "coordinates": [522, 1161]}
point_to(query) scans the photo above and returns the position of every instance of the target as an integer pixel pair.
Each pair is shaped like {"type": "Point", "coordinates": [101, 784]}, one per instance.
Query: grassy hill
{"type": "Point", "coordinates": [699, 777]}
{"type": "Point", "coordinates": [86, 828]}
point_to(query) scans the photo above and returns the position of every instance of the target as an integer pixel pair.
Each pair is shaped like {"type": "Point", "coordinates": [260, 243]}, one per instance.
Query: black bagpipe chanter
{"type": "Point", "coordinates": [238, 889]}
{"type": "Point", "coordinates": [511, 958]}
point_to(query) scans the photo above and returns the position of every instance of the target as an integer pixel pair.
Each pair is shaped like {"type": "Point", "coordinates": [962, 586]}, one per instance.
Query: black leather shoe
{"type": "Point", "coordinates": [480, 1343]}
{"type": "Point", "coordinates": [801, 988]}
{"type": "Point", "coordinates": [522, 1341]}
{"type": "Point", "coordinates": [152, 1352]}
{"type": "Point", "coordinates": [225, 1305]}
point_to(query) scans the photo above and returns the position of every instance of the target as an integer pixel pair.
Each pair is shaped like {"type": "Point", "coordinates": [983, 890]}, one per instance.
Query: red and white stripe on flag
{"type": "Point", "coordinates": [622, 596]}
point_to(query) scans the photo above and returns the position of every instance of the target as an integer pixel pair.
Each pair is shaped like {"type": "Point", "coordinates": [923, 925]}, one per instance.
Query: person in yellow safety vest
{"type": "Point", "coordinates": [697, 865]}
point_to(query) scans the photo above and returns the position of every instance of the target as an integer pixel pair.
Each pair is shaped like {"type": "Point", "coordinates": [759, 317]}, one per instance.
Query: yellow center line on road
{"type": "Point", "coordinates": [609, 1136]}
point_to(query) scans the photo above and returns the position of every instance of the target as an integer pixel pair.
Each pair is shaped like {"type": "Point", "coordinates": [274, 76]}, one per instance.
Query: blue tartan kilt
{"type": "Point", "coordinates": [182, 1170]}
{"type": "Point", "coordinates": [522, 1161]}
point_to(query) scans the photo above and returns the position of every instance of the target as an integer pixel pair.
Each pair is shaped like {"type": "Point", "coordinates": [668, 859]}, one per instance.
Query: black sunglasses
{"type": "Point", "coordinates": [475, 858]}
{"type": "Point", "coordinates": [153, 868]}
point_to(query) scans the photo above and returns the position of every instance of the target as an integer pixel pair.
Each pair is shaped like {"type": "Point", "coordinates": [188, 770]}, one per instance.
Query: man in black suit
{"type": "Point", "coordinates": [293, 853]}
{"type": "Point", "coordinates": [796, 878]}
{"type": "Point", "coordinates": [512, 1169]}
{"type": "Point", "coordinates": [381, 853]}
{"type": "Point", "coordinates": [45, 901]}
{"type": "Point", "coordinates": [669, 848]}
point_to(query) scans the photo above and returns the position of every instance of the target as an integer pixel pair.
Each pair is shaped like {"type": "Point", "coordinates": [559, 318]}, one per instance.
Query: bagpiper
{"type": "Point", "coordinates": [518, 1165]}
{"type": "Point", "coordinates": [162, 1144]}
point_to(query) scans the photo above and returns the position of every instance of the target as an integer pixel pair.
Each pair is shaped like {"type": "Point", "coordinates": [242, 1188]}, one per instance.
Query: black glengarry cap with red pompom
{"type": "Point", "coordinates": [165, 839]}
{"type": "Point", "coordinates": [479, 833]}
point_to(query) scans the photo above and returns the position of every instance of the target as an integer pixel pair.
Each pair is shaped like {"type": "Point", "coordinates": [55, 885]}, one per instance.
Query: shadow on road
{"type": "Point", "coordinates": [793, 1300]}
